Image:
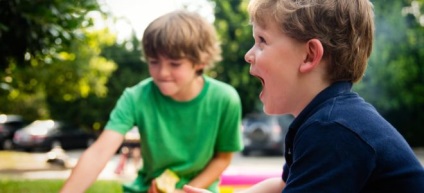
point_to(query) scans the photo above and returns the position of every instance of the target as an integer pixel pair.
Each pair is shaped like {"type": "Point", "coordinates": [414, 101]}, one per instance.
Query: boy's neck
{"type": "Point", "coordinates": [311, 87]}
{"type": "Point", "coordinates": [191, 91]}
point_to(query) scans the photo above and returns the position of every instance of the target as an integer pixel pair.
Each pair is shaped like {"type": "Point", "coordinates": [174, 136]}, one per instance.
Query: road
{"type": "Point", "coordinates": [247, 165]}
{"type": "Point", "coordinates": [255, 164]}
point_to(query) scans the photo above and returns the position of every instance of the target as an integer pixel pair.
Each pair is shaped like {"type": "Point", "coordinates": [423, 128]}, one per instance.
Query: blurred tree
{"type": "Point", "coordinates": [49, 58]}
{"type": "Point", "coordinates": [74, 84]}
{"type": "Point", "coordinates": [30, 28]}
{"type": "Point", "coordinates": [394, 81]}
{"type": "Point", "coordinates": [52, 89]}
{"type": "Point", "coordinates": [131, 70]}
{"type": "Point", "coordinates": [232, 24]}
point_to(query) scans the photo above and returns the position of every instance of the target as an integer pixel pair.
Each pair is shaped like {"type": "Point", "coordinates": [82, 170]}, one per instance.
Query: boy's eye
{"type": "Point", "coordinates": [153, 62]}
{"type": "Point", "coordinates": [261, 39]}
{"type": "Point", "coordinates": [175, 64]}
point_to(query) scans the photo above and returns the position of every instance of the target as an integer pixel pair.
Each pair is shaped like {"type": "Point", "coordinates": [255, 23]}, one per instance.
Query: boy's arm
{"type": "Point", "coordinates": [213, 170]}
{"type": "Point", "coordinates": [92, 162]}
{"type": "Point", "coordinates": [271, 185]}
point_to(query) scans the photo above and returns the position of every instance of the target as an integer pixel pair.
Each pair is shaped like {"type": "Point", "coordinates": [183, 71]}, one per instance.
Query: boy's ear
{"type": "Point", "coordinates": [199, 66]}
{"type": "Point", "coordinates": [314, 54]}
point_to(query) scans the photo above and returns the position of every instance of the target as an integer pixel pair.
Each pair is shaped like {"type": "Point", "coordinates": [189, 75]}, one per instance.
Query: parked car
{"type": "Point", "coordinates": [265, 133]}
{"type": "Point", "coordinates": [47, 134]}
{"type": "Point", "coordinates": [9, 124]}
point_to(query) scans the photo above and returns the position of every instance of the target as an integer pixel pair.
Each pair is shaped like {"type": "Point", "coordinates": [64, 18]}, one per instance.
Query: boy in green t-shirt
{"type": "Point", "coordinates": [189, 123]}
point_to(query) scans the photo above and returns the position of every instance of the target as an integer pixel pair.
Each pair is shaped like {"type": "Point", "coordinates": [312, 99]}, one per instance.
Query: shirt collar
{"type": "Point", "coordinates": [329, 92]}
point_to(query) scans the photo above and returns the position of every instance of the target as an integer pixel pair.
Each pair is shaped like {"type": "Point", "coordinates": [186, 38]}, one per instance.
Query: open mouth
{"type": "Point", "coordinates": [263, 84]}
{"type": "Point", "coordinates": [262, 80]}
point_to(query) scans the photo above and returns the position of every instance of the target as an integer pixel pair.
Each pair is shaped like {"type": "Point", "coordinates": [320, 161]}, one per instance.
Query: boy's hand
{"type": "Point", "coordinates": [190, 189]}
{"type": "Point", "coordinates": [153, 188]}
{"type": "Point", "coordinates": [178, 191]}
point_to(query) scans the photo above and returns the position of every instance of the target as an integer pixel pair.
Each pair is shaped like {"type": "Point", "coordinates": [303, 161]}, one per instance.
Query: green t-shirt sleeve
{"type": "Point", "coordinates": [229, 136]}
{"type": "Point", "coordinates": [122, 118]}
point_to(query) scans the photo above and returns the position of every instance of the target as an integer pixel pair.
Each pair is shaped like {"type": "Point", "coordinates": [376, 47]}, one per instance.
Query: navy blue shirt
{"type": "Point", "coordinates": [340, 144]}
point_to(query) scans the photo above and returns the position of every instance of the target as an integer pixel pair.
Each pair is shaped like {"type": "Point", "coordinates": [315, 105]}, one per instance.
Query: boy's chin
{"type": "Point", "coordinates": [271, 110]}
{"type": "Point", "coordinates": [168, 94]}
{"type": "Point", "coordinates": [268, 111]}
{"type": "Point", "coordinates": [167, 91]}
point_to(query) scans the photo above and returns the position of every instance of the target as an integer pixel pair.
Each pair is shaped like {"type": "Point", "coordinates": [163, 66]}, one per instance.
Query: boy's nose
{"type": "Point", "coordinates": [163, 71]}
{"type": "Point", "coordinates": [249, 57]}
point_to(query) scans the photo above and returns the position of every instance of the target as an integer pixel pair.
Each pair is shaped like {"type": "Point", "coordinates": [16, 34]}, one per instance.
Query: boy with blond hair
{"type": "Point", "coordinates": [189, 123]}
{"type": "Point", "coordinates": [308, 54]}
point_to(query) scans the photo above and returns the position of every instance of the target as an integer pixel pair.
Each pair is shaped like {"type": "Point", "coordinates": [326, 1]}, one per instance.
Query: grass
{"type": "Point", "coordinates": [53, 186]}
{"type": "Point", "coordinates": [22, 160]}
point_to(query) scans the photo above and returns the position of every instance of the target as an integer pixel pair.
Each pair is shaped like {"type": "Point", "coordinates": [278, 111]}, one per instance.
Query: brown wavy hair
{"type": "Point", "coordinates": [182, 34]}
{"type": "Point", "coordinates": [344, 27]}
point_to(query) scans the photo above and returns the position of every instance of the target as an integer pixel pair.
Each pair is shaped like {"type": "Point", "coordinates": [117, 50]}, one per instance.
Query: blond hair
{"type": "Point", "coordinates": [182, 34]}
{"type": "Point", "coordinates": [344, 27]}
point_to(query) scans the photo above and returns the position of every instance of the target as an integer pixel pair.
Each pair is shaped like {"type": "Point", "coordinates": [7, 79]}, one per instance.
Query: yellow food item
{"type": "Point", "coordinates": [166, 181]}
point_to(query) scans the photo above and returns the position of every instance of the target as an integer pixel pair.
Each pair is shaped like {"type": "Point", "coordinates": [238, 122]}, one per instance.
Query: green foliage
{"type": "Point", "coordinates": [47, 186]}
{"type": "Point", "coordinates": [55, 89]}
{"type": "Point", "coordinates": [31, 28]}
{"type": "Point", "coordinates": [51, 61]}
{"type": "Point", "coordinates": [232, 24]}
{"type": "Point", "coordinates": [130, 71]}
{"type": "Point", "coordinates": [88, 73]}
{"type": "Point", "coordinates": [394, 81]}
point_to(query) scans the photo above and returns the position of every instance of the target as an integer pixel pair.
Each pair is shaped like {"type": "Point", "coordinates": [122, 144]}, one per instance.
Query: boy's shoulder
{"type": "Point", "coordinates": [221, 91]}
{"type": "Point", "coordinates": [220, 86]}
{"type": "Point", "coordinates": [218, 83]}
{"type": "Point", "coordinates": [144, 86]}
